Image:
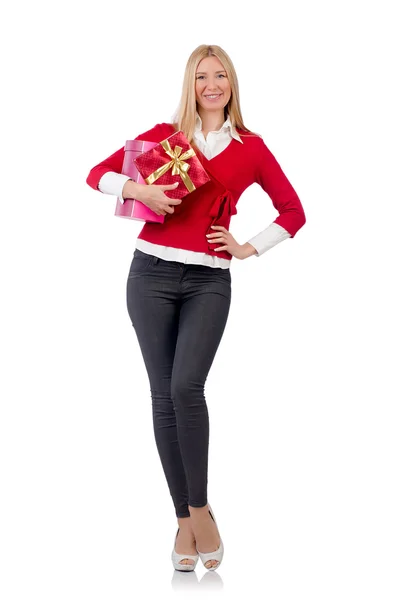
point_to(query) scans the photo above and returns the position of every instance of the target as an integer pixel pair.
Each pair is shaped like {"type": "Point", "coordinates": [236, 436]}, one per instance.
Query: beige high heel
{"type": "Point", "coordinates": [178, 557]}
{"type": "Point", "coordinates": [217, 554]}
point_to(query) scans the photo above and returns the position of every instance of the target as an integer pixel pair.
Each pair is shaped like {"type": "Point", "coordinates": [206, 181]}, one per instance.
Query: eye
{"type": "Point", "coordinates": [222, 75]}
{"type": "Point", "coordinates": [200, 76]}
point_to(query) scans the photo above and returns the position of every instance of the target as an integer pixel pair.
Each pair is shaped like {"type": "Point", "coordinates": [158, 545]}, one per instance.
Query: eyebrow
{"type": "Point", "coordinates": [205, 72]}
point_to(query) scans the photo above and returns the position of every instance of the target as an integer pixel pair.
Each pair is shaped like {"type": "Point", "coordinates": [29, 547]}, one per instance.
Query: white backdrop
{"type": "Point", "coordinates": [301, 395]}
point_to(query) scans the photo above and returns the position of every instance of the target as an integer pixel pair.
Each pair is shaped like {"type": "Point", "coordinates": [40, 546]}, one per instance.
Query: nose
{"type": "Point", "coordinates": [212, 84]}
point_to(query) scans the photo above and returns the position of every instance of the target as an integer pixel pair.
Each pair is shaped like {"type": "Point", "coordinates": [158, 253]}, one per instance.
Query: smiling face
{"type": "Point", "coordinates": [212, 84]}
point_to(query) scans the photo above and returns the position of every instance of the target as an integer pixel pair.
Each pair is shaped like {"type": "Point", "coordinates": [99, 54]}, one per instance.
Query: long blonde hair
{"type": "Point", "coordinates": [184, 118]}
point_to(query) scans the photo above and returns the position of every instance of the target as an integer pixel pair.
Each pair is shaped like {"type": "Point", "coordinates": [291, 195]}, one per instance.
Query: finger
{"type": "Point", "coordinates": [169, 209]}
{"type": "Point", "coordinates": [222, 248]}
{"type": "Point", "coordinates": [171, 186]}
{"type": "Point", "coordinates": [218, 240]}
{"type": "Point", "coordinates": [173, 200]}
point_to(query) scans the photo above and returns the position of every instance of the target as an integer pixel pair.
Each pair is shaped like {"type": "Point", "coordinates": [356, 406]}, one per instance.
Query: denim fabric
{"type": "Point", "coordinates": [179, 313]}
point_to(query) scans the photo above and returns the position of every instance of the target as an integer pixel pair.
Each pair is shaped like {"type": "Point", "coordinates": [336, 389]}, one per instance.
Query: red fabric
{"type": "Point", "coordinates": [149, 161]}
{"type": "Point", "coordinates": [230, 172]}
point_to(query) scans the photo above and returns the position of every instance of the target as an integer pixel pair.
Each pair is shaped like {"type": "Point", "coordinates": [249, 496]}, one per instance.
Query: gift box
{"type": "Point", "coordinates": [172, 160]}
{"type": "Point", "coordinates": [130, 208]}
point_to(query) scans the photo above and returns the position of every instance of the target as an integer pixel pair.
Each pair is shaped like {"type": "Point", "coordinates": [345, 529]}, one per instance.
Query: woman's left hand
{"type": "Point", "coordinates": [223, 236]}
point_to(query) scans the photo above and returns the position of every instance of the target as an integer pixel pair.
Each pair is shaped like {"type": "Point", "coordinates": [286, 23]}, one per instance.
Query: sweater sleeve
{"type": "Point", "coordinates": [114, 162]}
{"type": "Point", "coordinates": [274, 182]}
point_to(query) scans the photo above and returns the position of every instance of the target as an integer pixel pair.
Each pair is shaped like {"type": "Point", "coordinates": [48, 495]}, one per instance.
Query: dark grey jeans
{"type": "Point", "coordinates": [179, 313]}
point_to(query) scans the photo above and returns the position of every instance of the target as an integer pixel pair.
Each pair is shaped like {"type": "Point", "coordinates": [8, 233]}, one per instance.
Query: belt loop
{"type": "Point", "coordinates": [156, 260]}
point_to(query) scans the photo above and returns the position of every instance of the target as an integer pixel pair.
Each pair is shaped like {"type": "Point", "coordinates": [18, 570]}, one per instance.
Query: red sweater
{"type": "Point", "coordinates": [231, 172]}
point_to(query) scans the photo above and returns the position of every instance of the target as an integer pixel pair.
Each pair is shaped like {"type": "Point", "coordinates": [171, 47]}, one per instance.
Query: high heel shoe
{"type": "Point", "coordinates": [178, 557]}
{"type": "Point", "coordinates": [217, 554]}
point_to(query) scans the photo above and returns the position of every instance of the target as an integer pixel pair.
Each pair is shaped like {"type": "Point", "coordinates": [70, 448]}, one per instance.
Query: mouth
{"type": "Point", "coordinates": [212, 97]}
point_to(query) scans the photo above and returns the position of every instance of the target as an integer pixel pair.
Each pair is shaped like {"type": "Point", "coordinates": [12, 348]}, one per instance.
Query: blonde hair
{"type": "Point", "coordinates": [185, 117]}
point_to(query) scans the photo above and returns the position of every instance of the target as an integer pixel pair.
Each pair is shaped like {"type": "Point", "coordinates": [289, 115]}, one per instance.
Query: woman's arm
{"type": "Point", "coordinates": [113, 163]}
{"type": "Point", "coordinates": [111, 181]}
{"type": "Point", "coordinates": [285, 200]}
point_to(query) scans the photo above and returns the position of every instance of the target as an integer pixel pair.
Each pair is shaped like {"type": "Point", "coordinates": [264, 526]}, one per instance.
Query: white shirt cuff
{"type": "Point", "coordinates": [113, 183]}
{"type": "Point", "coordinates": [269, 237]}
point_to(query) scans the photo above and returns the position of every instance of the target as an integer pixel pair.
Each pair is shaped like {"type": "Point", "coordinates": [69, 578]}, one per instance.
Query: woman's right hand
{"type": "Point", "coordinates": [152, 196]}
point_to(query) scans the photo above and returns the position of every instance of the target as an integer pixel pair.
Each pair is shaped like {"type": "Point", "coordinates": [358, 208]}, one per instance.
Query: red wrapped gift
{"type": "Point", "coordinates": [172, 160]}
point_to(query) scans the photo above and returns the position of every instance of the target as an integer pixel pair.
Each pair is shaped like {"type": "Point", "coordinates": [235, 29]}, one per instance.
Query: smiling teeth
{"type": "Point", "coordinates": [213, 96]}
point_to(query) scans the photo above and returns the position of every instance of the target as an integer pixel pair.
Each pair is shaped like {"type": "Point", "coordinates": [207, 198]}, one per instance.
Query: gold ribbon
{"type": "Point", "coordinates": [179, 167]}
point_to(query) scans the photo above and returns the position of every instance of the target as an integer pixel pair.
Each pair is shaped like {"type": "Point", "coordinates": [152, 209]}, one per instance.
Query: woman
{"type": "Point", "coordinates": [179, 283]}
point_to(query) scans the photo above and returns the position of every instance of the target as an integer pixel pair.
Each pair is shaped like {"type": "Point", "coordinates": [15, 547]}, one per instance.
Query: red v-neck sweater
{"type": "Point", "coordinates": [231, 172]}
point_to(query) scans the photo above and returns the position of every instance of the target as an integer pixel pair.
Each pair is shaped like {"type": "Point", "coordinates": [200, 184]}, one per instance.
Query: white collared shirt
{"type": "Point", "coordinates": [216, 141]}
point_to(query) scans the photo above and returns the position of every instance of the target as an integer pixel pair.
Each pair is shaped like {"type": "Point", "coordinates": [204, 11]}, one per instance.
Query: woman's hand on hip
{"type": "Point", "coordinates": [224, 237]}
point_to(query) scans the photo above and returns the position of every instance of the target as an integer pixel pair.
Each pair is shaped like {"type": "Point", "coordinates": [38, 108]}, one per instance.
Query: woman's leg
{"type": "Point", "coordinates": [153, 303]}
{"type": "Point", "coordinates": [203, 315]}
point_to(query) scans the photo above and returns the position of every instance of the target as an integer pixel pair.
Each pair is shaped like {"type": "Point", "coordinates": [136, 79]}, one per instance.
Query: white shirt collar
{"type": "Point", "coordinates": [227, 125]}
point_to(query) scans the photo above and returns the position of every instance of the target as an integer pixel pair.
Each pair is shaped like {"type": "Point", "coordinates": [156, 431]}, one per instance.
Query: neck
{"type": "Point", "coordinates": [212, 120]}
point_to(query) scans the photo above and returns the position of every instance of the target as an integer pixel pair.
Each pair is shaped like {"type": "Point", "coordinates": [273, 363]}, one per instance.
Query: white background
{"type": "Point", "coordinates": [302, 393]}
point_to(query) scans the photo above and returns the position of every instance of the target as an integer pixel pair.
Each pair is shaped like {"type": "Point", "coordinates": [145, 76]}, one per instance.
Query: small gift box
{"type": "Point", "coordinates": [129, 207]}
{"type": "Point", "coordinates": [173, 160]}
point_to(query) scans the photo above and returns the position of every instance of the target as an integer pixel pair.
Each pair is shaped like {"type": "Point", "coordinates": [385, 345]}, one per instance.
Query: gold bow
{"type": "Point", "coordinates": [179, 167]}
